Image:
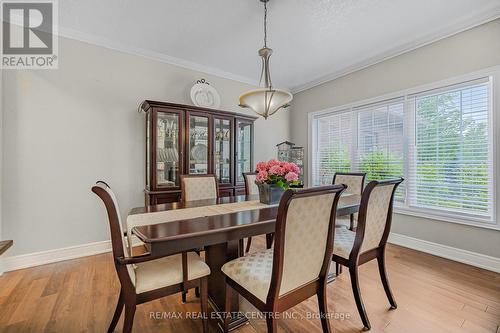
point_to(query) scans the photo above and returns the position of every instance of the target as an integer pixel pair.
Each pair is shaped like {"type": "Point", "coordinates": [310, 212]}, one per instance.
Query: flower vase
{"type": "Point", "coordinates": [270, 194]}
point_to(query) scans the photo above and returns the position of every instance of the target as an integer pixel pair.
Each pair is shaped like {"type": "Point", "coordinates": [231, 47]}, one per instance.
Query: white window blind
{"type": "Point", "coordinates": [380, 151]}
{"type": "Point", "coordinates": [439, 140]}
{"type": "Point", "coordinates": [333, 148]}
{"type": "Point", "coordinates": [451, 156]}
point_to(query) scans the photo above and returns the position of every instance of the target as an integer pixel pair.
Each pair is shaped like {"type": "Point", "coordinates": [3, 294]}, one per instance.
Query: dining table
{"type": "Point", "coordinates": [217, 226]}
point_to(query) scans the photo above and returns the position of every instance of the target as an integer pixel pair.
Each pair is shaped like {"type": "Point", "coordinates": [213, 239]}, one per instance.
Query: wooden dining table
{"type": "Point", "coordinates": [219, 235]}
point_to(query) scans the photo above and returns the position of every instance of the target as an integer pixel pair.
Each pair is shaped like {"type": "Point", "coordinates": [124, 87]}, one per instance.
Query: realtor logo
{"type": "Point", "coordinates": [29, 39]}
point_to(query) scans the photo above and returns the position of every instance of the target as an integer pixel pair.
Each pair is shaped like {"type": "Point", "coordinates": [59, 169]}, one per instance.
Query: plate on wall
{"type": "Point", "coordinates": [204, 95]}
{"type": "Point", "coordinates": [199, 153]}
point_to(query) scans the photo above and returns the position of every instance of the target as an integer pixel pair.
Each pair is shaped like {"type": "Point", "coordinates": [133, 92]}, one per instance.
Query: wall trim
{"type": "Point", "coordinates": [73, 252]}
{"type": "Point", "coordinates": [13, 263]}
{"type": "Point", "coordinates": [489, 14]}
{"type": "Point", "coordinates": [444, 251]}
{"type": "Point", "coordinates": [469, 23]}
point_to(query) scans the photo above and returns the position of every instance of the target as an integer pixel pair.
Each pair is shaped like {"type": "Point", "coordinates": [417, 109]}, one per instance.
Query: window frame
{"type": "Point", "coordinates": [439, 215]}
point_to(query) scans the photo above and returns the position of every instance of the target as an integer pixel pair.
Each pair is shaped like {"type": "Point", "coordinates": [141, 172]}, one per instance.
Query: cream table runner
{"type": "Point", "coordinates": [189, 213]}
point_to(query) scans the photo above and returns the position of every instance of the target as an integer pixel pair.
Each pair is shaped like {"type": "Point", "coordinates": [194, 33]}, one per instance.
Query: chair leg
{"type": "Point", "coordinates": [129, 317]}
{"type": "Point", "coordinates": [183, 295]}
{"type": "Point", "coordinates": [272, 324]}
{"type": "Point", "coordinates": [385, 281]}
{"type": "Point", "coordinates": [338, 269]}
{"type": "Point", "coordinates": [323, 309]}
{"type": "Point", "coordinates": [204, 302]}
{"type": "Point", "coordinates": [269, 240]}
{"type": "Point", "coordinates": [197, 292]}
{"type": "Point", "coordinates": [249, 242]}
{"type": "Point", "coordinates": [118, 312]}
{"type": "Point", "coordinates": [353, 270]}
{"type": "Point", "coordinates": [227, 308]}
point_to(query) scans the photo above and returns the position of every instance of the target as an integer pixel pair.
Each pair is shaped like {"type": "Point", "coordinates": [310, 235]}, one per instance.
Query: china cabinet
{"type": "Point", "coordinates": [185, 139]}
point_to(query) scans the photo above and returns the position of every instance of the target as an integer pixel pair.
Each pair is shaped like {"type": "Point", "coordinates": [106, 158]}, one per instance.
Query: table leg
{"type": "Point", "coordinates": [216, 256]}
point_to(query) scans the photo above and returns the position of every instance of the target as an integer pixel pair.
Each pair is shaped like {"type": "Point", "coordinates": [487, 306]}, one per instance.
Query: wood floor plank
{"type": "Point", "coordinates": [433, 294]}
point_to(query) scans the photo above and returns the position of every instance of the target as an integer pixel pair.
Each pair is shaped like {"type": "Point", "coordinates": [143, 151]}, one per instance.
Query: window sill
{"type": "Point", "coordinates": [422, 213]}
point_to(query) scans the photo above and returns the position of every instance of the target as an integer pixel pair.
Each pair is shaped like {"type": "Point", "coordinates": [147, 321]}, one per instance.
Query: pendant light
{"type": "Point", "coordinates": [266, 100]}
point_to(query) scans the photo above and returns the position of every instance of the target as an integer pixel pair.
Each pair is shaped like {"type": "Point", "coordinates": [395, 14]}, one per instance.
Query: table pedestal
{"type": "Point", "coordinates": [216, 256]}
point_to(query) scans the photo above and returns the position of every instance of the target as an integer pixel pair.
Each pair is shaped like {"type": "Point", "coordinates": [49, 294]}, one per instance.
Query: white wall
{"type": "Point", "coordinates": [66, 128]}
{"type": "Point", "coordinates": [463, 53]}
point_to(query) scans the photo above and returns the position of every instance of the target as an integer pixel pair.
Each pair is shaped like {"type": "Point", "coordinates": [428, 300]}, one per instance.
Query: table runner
{"type": "Point", "coordinates": [189, 213]}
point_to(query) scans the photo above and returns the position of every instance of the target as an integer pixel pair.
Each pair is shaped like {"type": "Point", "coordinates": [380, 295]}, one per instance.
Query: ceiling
{"type": "Point", "coordinates": [313, 40]}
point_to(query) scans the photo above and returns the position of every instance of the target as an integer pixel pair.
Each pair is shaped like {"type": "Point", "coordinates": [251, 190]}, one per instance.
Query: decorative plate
{"type": "Point", "coordinates": [199, 153]}
{"type": "Point", "coordinates": [204, 95]}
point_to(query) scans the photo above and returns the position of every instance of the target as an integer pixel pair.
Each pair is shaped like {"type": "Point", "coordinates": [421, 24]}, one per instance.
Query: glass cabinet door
{"type": "Point", "coordinates": [167, 149]}
{"type": "Point", "coordinates": [244, 133]}
{"type": "Point", "coordinates": [198, 144]}
{"type": "Point", "coordinates": [222, 150]}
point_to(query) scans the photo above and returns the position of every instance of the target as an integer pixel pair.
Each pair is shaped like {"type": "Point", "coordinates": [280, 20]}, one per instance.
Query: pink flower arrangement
{"type": "Point", "coordinates": [273, 171]}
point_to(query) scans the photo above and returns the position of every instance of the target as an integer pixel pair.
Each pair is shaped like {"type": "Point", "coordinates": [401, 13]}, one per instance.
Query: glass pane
{"type": "Point", "coordinates": [244, 143]}
{"type": "Point", "coordinates": [198, 145]}
{"type": "Point", "coordinates": [223, 150]}
{"type": "Point", "coordinates": [167, 146]}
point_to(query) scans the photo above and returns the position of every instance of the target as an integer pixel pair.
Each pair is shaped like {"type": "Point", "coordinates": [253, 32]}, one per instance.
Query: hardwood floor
{"type": "Point", "coordinates": [433, 294]}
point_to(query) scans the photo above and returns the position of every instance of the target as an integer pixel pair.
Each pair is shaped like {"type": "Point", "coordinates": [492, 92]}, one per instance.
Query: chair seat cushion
{"type": "Point", "coordinates": [167, 271]}
{"type": "Point", "coordinates": [343, 242]}
{"type": "Point", "coordinates": [252, 272]}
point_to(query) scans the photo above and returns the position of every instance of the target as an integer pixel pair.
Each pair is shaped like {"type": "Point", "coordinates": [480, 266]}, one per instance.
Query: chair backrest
{"type": "Point", "coordinates": [304, 237]}
{"type": "Point", "coordinates": [375, 215]}
{"type": "Point", "coordinates": [250, 186]}
{"type": "Point", "coordinates": [199, 187]}
{"type": "Point", "coordinates": [118, 243]}
{"type": "Point", "coordinates": [355, 181]}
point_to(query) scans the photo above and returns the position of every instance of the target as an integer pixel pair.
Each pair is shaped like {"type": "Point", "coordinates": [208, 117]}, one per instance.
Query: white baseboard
{"type": "Point", "coordinates": [46, 257]}
{"type": "Point", "coordinates": [448, 252]}
{"type": "Point", "coordinates": [13, 263]}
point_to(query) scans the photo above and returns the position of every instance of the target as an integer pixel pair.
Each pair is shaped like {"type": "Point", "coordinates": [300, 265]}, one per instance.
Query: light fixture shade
{"type": "Point", "coordinates": [266, 101]}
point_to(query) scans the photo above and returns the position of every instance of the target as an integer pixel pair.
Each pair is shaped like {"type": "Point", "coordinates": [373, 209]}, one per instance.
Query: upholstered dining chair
{"type": "Point", "coordinates": [355, 182]}
{"type": "Point", "coordinates": [199, 187]}
{"type": "Point", "coordinates": [250, 189]}
{"type": "Point", "coordinates": [275, 280]}
{"type": "Point", "coordinates": [368, 242]}
{"type": "Point", "coordinates": [144, 278]}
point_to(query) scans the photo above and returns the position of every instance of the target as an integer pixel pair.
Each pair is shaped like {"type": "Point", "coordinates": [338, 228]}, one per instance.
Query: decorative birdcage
{"type": "Point", "coordinates": [289, 152]}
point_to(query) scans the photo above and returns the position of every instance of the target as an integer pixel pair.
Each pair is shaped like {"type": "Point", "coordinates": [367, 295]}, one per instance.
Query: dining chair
{"type": "Point", "coordinates": [199, 187]}
{"type": "Point", "coordinates": [250, 189]}
{"type": "Point", "coordinates": [275, 280]}
{"type": "Point", "coordinates": [368, 242]}
{"type": "Point", "coordinates": [355, 182]}
{"type": "Point", "coordinates": [144, 278]}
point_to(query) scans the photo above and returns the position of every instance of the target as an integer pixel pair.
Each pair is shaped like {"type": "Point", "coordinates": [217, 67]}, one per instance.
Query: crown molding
{"type": "Point", "coordinates": [152, 55]}
{"type": "Point", "coordinates": [485, 16]}
{"type": "Point", "coordinates": [471, 22]}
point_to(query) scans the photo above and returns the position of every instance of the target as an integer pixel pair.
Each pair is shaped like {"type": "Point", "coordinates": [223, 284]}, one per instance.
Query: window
{"type": "Point", "coordinates": [380, 151]}
{"type": "Point", "coordinates": [334, 148]}
{"type": "Point", "coordinates": [439, 140]}
{"type": "Point", "coordinates": [450, 154]}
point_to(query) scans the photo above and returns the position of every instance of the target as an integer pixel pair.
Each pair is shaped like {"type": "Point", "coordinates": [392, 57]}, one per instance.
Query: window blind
{"type": "Point", "coordinates": [380, 150]}
{"type": "Point", "coordinates": [439, 140]}
{"type": "Point", "coordinates": [334, 146]}
{"type": "Point", "coordinates": [451, 161]}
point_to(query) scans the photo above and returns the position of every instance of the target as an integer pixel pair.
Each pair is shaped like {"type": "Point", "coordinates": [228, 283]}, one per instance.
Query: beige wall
{"type": "Point", "coordinates": [66, 128]}
{"type": "Point", "coordinates": [463, 53]}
